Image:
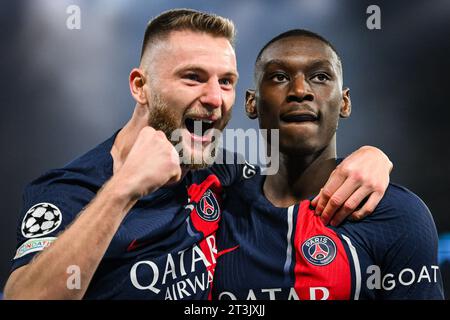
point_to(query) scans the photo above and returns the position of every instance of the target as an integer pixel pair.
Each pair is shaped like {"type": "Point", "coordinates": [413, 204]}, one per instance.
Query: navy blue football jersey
{"type": "Point", "coordinates": [288, 253]}
{"type": "Point", "coordinates": [164, 248]}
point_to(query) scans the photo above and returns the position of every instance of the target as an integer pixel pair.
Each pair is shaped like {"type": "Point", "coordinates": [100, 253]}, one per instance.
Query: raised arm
{"type": "Point", "coordinates": [151, 163]}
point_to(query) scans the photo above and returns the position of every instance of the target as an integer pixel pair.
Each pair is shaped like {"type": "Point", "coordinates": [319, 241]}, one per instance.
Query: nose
{"type": "Point", "coordinates": [300, 90]}
{"type": "Point", "coordinates": [212, 94]}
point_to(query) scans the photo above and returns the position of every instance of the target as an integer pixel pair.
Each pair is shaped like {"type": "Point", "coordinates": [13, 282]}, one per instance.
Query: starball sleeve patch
{"type": "Point", "coordinates": [41, 219]}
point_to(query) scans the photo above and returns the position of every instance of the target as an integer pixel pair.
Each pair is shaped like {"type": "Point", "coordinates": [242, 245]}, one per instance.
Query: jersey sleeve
{"type": "Point", "coordinates": [47, 209]}
{"type": "Point", "coordinates": [405, 245]}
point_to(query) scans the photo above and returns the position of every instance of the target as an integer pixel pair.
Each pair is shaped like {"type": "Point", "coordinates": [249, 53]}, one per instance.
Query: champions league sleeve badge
{"type": "Point", "coordinates": [319, 250]}
{"type": "Point", "coordinates": [41, 219]}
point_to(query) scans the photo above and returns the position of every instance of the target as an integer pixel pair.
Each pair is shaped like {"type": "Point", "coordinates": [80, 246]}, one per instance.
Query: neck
{"type": "Point", "coordinates": [300, 177]}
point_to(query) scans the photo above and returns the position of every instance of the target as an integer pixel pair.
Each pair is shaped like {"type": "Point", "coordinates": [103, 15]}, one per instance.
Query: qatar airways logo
{"type": "Point", "coordinates": [312, 293]}
{"type": "Point", "coordinates": [175, 278]}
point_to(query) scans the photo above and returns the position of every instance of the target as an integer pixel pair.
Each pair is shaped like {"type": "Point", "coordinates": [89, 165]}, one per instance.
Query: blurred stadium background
{"type": "Point", "coordinates": [63, 91]}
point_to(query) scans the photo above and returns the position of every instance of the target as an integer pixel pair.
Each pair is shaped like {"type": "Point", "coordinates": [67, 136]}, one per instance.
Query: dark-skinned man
{"type": "Point", "coordinates": [281, 249]}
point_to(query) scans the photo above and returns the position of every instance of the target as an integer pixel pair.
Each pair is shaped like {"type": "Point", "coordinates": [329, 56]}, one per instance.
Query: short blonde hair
{"type": "Point", "coordinates": [187, 19]}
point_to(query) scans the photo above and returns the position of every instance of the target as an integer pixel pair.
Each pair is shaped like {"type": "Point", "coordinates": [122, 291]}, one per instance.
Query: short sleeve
{"type": "Point", "coordinates": [47, 210]}
{"type": "Point", "coordinates": [406, 246]}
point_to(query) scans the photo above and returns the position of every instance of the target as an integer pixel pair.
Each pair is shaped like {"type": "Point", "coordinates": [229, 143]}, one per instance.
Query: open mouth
{"type": "Point", "coordinates": [197, 126]}
{"type": "Point", "coordinates": [299, 117]}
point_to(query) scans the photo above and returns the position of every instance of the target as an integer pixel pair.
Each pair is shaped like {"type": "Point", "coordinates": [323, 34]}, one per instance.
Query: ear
{"type": "Point", "coordinates": [250, 104]}
{"type": "Point", "coordinates": [137, 81]}
{"type": "Point", "coordinates": [346, 104]}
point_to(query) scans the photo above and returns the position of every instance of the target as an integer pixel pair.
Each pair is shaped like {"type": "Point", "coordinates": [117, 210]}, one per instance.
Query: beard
{"type": "Point", "coordinates": [162, 117]}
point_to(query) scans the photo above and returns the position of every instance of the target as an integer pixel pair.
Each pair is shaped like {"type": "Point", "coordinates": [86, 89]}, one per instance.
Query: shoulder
{"type": "Point", "coordinates": [400, 217]}
{"type": "Point", "coordinates": [402, 204]}
{"type": "Point", "coordinates": [231, 168]}
{"type": "Point", "coordinates": [80, 179]}
{"type": "Point", "coordinates": [58, 184]}
{"type": "Point", "coordinates": [400, 226]}
{"type": "Point", "coordinates": [248, 188]}
{"type": "Point", "coordinates": [399, 195]}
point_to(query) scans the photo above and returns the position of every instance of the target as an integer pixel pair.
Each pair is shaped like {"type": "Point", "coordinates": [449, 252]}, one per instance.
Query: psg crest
{"type": "Point", "coordinates": [319, 250]}
{"type": "Point", "coordinates": [208, 207]}
{"type": "Point", "coordinates": [41, 219]}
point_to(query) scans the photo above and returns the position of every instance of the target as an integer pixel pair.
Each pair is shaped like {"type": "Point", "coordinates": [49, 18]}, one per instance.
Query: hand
{"type": "Point", "coordinates": [151, 163]}
{"type": "Point", "coordinates": [362, 175]}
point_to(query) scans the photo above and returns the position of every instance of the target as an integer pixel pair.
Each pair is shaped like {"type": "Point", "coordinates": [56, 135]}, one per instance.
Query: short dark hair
{"type": "Point", "coordinates": [187, 19]}
{"type": "Point", "coordinates": [298, 33]}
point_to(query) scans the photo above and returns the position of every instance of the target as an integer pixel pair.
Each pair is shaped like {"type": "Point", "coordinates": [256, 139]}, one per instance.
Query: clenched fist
{"type": "Point", "coordinates": [151, 163]}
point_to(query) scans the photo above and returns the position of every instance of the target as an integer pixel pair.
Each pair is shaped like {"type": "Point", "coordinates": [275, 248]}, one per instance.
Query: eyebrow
{"type": "Point", "coordinates": [321, 63]}
{"type": "Point", "coordinates": [274, 62]}
{"type": "Point", "coordinates": [311, 64]}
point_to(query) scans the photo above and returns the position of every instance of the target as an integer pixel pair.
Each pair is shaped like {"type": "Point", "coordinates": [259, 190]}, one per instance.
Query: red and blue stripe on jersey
{"type": "Point", "coordinates": [321, 261]}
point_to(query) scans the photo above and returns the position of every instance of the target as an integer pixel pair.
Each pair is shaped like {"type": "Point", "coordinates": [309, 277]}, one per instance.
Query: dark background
{"type": "Point", "coordinates": [64, 91]}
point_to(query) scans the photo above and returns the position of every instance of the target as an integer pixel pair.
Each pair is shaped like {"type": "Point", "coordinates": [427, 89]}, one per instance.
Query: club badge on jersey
{"type": "Point", "coordinates": [319, 250]}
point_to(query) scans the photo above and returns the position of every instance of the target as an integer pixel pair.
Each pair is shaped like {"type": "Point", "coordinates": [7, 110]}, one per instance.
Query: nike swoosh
{"type": "Point", "coordinates": [224, 251]}
{"type": "Point", "coordinates": [134, 245]}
